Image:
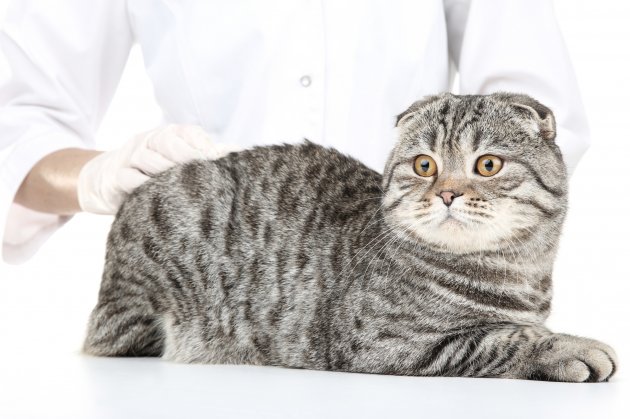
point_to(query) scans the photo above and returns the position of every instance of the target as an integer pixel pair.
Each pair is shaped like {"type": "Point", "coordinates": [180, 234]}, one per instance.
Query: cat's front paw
{"type": "Point", "coordinates": [573, 359]}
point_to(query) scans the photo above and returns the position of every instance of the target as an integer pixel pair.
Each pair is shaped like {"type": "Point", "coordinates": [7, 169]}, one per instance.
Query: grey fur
{"type": "Point", "coordinates": [299, 256]}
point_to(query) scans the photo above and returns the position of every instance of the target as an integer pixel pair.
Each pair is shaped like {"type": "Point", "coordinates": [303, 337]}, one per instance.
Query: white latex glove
{"type": "Point", "coordinates": [105, 180]}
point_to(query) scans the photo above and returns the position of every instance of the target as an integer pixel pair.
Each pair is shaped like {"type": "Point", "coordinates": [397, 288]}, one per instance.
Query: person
{"type": "Point", "coordinates": [335, 72]}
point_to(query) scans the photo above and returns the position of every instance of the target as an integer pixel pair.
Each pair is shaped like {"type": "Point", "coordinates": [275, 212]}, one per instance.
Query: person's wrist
{"type": "Point", "coordinates": [51, 184]}
{"type": "Point", "coordinates": [88, 187]}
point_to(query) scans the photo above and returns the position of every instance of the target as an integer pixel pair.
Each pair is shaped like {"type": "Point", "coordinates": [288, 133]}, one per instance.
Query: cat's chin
{"type": "Point", "coordinates": [459, 246]}
{"type": "Point", "coordinates": [453, 235]}
{"type": "Point", "coordinates": [452, 223]}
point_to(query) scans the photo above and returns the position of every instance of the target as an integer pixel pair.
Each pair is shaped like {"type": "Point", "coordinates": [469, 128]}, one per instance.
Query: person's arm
{"type": "Point", "coordinates": [72, 180]}
{"type": "Point", "coordinates": [517, 46]}
{"type": "Point", "coordinates": [51, 185]}
{"type": "Point", "coordinates": [62, 63]}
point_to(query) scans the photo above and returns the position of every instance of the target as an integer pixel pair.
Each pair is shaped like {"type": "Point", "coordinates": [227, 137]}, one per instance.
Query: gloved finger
{"type": "Point", "coordinates": [150, 162]}
{"type": "Point", "coordinates": [226, 148]}
{"type": "Point", "coordinates": [207, 143]}
{"type": "Point", "coordinates": [129, 179]}
{"type": "Point", "coordinates": [196, 137]}
{"type": "Point", "coordinates": [173, 147]}
{"type": "Point", "coordinates": [192, 131]}
{"type": "Point", "coordinates": [215, 150]}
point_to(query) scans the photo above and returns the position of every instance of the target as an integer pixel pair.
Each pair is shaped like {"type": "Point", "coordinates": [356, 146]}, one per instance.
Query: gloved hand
{"type": "Point", "coordinates": [105, 180]}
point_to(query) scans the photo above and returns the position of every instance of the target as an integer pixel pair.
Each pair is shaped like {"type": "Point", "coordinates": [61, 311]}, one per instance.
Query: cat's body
{"type": "Point", "coordinates": [299, 256]}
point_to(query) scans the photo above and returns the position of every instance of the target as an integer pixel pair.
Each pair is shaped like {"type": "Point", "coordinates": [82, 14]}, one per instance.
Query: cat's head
{"type": "Point", "coordinates": [476, 173]}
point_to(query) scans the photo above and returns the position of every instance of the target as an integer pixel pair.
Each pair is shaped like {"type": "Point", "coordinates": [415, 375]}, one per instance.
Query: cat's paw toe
{"type": "Point", "coordinates": [574, 359]}
{"type": "Point", "coordinates": [592, 366]}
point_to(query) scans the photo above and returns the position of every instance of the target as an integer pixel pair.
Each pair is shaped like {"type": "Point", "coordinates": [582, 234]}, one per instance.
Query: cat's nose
{"type": "Point", "coordinates": [448, 197]}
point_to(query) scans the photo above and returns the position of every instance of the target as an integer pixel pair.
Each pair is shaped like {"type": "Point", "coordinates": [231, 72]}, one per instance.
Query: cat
{"type": "Point", "coordinates": [300, 256]}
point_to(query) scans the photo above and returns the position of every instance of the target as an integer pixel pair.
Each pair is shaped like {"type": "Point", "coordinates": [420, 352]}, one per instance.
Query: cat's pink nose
{"type": "Point", "coordinates": [448, 197]}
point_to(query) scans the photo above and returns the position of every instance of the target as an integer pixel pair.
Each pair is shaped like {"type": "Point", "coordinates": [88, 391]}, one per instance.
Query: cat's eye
{"type": "Point", "coordinates": [425, 166]}
{"type": "Point", "coordinates": [489, 165]}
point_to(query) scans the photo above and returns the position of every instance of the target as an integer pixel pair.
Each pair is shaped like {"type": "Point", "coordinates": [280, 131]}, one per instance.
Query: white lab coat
{"type": "Point", "coordinates": [260, 72]}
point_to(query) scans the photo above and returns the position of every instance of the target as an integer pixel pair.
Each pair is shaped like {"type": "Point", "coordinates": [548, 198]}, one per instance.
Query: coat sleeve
{"type": "Point", "coordinates": [61, 63]}
{"type": "Point", "coordinates": [517, 46]}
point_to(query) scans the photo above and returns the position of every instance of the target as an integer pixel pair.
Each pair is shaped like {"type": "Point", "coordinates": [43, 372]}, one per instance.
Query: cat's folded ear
{"type": "Point", "coordinates": [531, 108]}
{"type": "Point", "coordinates": [415, 106]}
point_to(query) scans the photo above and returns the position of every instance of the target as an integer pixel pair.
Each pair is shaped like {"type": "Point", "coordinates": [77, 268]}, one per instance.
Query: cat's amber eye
{"type": "Point", "coordinates": [425, 166]}
{"type": "Point", "coordinates": [489, 165]}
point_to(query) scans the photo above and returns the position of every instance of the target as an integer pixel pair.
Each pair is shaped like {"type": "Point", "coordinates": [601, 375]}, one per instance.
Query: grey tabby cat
{"type": "Point", "coordinates": [299, 256]}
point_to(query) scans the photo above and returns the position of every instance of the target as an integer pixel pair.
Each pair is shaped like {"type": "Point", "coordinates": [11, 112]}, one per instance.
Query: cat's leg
{"type": "Point", "coordinates": [526, 352]}
{"type": "Point", "coordinates": [522, 352]}
{"type": "Point", "coordinates": [123, 323]}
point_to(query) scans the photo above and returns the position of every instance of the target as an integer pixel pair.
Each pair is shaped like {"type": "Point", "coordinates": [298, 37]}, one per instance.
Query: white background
{"type": "Point", "coordinates": [45, 303]}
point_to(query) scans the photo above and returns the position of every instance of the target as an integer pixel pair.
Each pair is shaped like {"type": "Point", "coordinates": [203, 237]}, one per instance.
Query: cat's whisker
{"type": "Point", "coordinates": [420, 208]}
{"type": "Point", "coordinates": [392, 259]}
{"type": "Point", "coordinates": [514, 250]}
{"type": "Point", "coordinates": [391, 242]}
{"type": "Point", "coordinates": [426, 216]}
{"type": "Point", "coordinates": [379, 209]}
{"type": "Point", "coordinates": [429, 220]}
{"type": "Point", "coordinates": [531, 256]}
{"type": "Point", "coordinates": [368, 199]}
{"type": "Point", "coordinates": [376, 255]}
{"type": "Point", "coordinates": [505, 267]}
{"type": "Point", "coordinates": [382, 236]}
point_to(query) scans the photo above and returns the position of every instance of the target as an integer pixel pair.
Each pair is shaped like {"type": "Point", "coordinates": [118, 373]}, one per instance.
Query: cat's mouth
{"type": "Point", "coordinates": [451, 220]}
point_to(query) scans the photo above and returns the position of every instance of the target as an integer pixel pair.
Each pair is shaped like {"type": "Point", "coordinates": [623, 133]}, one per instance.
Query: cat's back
{"type": "Point", "coordinates": [257, 195]}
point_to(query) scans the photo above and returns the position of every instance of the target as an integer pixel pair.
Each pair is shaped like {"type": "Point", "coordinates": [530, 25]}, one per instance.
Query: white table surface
{"type": "Point", "coordinates": [75, 386]}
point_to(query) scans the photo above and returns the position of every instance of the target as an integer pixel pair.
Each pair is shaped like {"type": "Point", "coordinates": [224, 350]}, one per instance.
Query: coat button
{"type": "Point", "coordinates": [305, 81]}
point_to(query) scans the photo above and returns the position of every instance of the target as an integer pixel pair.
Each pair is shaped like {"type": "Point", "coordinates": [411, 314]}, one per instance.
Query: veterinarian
{"type": "Point", "coordinates": [335, 72]}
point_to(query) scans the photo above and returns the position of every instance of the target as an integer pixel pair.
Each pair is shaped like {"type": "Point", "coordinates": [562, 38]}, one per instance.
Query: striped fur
{"type": "Point", "coordinates": [299, 256]}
